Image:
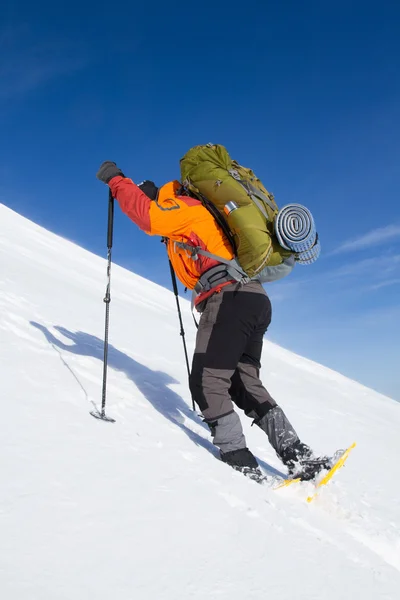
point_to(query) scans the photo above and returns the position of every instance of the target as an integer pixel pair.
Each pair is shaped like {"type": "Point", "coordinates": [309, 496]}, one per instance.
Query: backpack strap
{"type": "Point", "coordinates": [255, 194]}
{"type": "Point", "coordinates": [232, 266]}
{"type": "Point", "coordinates": [188, 190]}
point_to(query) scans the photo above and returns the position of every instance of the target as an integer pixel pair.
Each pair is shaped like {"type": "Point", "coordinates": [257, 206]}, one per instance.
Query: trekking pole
{"type": "Point", "coordinates": [182, 331]}
{"type": "Point", "coordinates": [107, 299]}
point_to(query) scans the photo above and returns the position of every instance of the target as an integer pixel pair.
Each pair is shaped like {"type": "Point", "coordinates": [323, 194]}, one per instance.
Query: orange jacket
{"type": "Point", "coordinates": [178, 218]}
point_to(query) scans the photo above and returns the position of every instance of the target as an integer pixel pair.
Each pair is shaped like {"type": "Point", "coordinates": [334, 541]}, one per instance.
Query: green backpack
{"type": "Point", "coordinates": [244, 204]}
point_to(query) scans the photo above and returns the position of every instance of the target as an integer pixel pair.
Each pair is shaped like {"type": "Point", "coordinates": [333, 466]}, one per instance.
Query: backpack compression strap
{"type": "Point", "coordinates": [255, 194]}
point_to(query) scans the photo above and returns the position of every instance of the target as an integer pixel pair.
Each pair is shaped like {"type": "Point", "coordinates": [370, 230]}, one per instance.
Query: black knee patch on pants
{"type": "Point", "coordinates": [262, 410]}
{"type": "Point", "coordinates": [244, 400]}
{"type": "Point", "coordinates": [196, 382]}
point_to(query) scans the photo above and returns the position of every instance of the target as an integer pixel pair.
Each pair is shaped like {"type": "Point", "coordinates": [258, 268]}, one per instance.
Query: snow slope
{"type": "Point", "coordinates": [141, 509]}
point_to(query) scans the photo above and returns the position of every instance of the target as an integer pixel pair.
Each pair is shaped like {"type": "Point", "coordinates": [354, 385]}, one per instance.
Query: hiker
{"type": "Point", "coordinates": [234, 319]}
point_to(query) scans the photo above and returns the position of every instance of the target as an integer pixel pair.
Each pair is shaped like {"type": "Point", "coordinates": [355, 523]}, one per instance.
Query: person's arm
{"type": "Point", "coordinates": [132, 201]}
{"type": "Point", "coordinates": [148, 215]}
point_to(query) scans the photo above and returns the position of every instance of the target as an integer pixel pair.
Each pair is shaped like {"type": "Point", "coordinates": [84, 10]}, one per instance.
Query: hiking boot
{"type": "Point", "coordinates": [294, 454]}
{"type": "Point", "coordinates": [301, 462]}
{"type": "Point", "coordinates": [244, 461]}
{"type": "Point", "coordinates": [309, 469]}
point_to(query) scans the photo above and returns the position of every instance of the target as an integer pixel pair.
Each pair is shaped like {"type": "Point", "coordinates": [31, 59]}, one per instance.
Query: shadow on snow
{"type": "Point", "coordinates": [152, 384]}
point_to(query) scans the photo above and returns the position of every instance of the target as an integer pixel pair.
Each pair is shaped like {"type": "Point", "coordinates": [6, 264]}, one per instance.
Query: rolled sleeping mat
{"type": "Point", "coordinates": [295, 228]}
{"type": "Point", "coordinates": [308, 256]}
{"type": "Point", "coordinates": [295, 231]}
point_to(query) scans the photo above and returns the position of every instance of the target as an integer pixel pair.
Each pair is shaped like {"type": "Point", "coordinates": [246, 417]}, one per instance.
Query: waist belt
{"type": "Point", "coordinates": [212, 277]}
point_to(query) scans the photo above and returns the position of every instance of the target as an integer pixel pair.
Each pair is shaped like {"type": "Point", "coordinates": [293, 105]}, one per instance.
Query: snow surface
{"type": "Point", "coordinates": [141, 509]}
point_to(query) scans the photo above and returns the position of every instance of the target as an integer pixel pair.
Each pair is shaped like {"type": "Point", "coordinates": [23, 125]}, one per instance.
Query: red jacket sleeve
{"type": "Point", "coordinates": [132, 201]}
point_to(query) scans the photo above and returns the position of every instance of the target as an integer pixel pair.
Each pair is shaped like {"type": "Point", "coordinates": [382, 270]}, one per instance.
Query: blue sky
{"type": "Point", "coordinates": [307, 94]}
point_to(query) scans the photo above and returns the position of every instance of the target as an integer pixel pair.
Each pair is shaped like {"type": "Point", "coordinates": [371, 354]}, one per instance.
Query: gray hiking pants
{"type": "Point", "coordinates": [226, 367]}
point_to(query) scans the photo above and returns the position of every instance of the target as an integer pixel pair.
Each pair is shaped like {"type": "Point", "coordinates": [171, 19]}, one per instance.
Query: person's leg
{"type": "Point", "coordinates": [225, 326]}
{"type": "Point", "coordinates": [249, 394]}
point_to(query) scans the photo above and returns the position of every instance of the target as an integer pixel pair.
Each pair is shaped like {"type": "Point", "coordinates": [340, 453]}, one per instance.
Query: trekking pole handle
{"type": "Point", "coordinates": [110, 220]}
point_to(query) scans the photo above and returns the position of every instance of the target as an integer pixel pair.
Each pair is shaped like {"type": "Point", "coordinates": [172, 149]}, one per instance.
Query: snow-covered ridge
{"type": "Point", "coordinates": [142, 508]}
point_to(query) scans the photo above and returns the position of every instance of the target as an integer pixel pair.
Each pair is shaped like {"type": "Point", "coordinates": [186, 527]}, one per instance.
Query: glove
{"type": "Point", "coordinates": [107, 171]}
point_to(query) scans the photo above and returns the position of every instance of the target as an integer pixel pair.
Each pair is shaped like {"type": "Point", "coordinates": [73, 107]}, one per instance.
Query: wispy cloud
{"type": "Point", "coordinates": [386, 283]}
{"type": "Point", "coordinates": [26, 63]}
{"type": "Point", "coordinates": [372, 238]}
{"type": "Point", "coordinates": [377, 265]}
